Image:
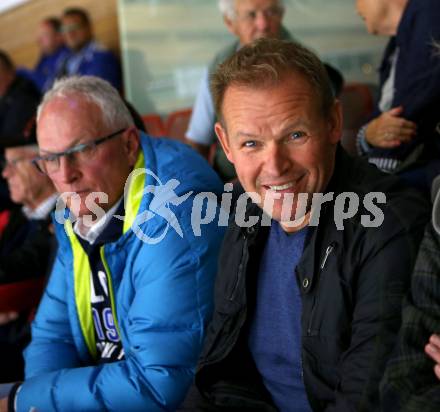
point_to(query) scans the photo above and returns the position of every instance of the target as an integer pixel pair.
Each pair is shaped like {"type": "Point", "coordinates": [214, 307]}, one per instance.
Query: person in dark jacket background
{"type": "Point", "coordinates": [308, 293]}
{"type": "Point", "coordinates": [52, 54]}
{"type": "Point", "coordinates": [19, 98]}
{"type": "Point", "coordinates": [27, 245]}
{"type": "Point", "coordinates": [411, 380]}
{"type": "Point", "coordinates": [403, 135]}
{"type": "Point", "coordinates": [86, 56]}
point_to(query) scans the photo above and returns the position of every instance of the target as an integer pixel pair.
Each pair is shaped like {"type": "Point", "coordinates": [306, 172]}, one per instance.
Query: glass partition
{"type": "Point", "coordinates": [166, 44]}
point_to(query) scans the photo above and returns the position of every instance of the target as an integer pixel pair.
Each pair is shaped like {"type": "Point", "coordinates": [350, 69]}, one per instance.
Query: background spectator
{"type": "Point", "coordinates": [18, 101]}
{"type": "Point", "coordinates": [411, 381]}
{"type": "Point", "coordinates": [19, 98]}
{"type": "Point", "coordinates": [403, 135]}
{"type": "Point", "coordinates": [53, 52]}
{"type": "Point", "coordinates": [87, 57]}
{"type": "Point", "coordinates": [26, 246]}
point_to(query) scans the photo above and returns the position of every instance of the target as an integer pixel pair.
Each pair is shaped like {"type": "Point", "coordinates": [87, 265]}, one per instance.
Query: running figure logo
{"type": "Point", "coordinates": [164, 196]}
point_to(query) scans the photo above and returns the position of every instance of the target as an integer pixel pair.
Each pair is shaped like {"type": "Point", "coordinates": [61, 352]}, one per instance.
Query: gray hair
{"type": "Point", "coordinates": [227, 7]}
{"type": "Point", "coordinates": [115, 114]}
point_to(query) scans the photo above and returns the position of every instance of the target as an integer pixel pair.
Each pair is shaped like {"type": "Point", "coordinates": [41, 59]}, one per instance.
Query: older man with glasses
{"type": "Point", "coordinates": [26, 245]}
{"type": "Point", "coordinates": [123, 318]}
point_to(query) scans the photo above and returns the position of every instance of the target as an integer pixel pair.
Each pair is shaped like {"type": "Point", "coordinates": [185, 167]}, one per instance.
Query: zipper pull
{"type": "Point", "coordinates": [327, 254]}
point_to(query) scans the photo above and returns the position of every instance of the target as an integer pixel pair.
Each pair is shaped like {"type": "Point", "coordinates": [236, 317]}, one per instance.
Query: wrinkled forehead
{"type": "Point", "coordinates": [75, 107]}
{"type": "Point", "coordinates": [67, 120]}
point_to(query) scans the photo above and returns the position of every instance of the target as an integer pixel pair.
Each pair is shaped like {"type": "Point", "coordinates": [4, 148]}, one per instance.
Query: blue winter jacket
{"type": "Point", "coordinates": [163, 299]}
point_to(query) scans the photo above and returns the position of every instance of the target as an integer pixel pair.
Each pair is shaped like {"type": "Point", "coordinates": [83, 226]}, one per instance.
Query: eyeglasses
{"type": "Point", "coordinates": [79, 155]}
{"type": "Point", "coordinates": [250, 16]}
{"type": "Point", "coordinates": [12, 164]}
{"type": "Point", "coordinates": [68, 28]}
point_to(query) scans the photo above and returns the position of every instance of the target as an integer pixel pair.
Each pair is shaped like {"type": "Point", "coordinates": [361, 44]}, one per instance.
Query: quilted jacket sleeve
{"type": "Point", "coordinates": [168, 304]}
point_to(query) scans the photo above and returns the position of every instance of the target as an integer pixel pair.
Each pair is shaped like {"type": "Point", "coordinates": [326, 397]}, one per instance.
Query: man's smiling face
{"type": "Point", "coordinates": [279, 140]}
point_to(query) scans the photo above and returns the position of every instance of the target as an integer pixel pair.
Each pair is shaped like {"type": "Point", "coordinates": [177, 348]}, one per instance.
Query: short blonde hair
{"type": "Point", "coordinates": [266, 62]}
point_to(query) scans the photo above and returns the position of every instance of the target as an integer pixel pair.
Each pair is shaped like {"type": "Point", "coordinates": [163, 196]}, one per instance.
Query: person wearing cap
{"type": "Point", "coordinates": [26, 244]}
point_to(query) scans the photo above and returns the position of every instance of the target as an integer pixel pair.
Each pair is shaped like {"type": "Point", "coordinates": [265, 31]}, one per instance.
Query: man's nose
{"type": "Point", "coordinates": [277, 160]}
{"type": "Point", "coordinates": [67, 171]}
{"type": "Point", "coordinates": [5, 172]}
{"type": "Point", "coordinates": [262, 21]}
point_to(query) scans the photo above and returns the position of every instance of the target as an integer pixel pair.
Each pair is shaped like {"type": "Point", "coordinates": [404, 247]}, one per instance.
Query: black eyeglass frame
{"type": "Point", "coordinates": [75, 149]}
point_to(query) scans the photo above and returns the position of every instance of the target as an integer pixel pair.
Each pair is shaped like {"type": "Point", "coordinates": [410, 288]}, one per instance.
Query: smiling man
{"type": "Point", "coordinates": [305, 315]}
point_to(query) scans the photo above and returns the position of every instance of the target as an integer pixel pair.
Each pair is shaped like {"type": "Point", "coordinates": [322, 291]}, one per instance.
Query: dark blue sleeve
{"type": "Point", "coordinates": [418, 69]}
{"type": "Point", "coordinates": [106, 66]}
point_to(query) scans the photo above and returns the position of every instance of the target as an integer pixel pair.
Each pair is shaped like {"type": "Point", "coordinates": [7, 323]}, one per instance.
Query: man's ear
{"type": "Point", "coordinates": [224, 140]}
{"type": "Point", "coordinates": [230, 24]}
{"type": "Point", "coordinates": [335, 122]}
{"type": "Point", "coordinates": [131, 144]}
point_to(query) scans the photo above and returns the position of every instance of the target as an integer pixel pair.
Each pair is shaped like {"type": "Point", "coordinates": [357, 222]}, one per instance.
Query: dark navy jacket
{"type": "Point", "coordinates": [417, 81]}
{"type": "Point", "coordinates": [94, 60]}
{"type": "Point", "coordinates": [46, 70]}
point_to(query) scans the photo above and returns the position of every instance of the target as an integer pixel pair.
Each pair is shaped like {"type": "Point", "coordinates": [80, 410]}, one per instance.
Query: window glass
{"type": "Point", "coordinates": [166, 45]}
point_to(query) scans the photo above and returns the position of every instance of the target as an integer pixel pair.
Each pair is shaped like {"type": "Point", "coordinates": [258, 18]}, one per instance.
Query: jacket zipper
{"type": "Point", "coordinates": [328, 252]}
{"type": "Point", "coordinates": [240, 269]}
{"type": "Point", "coordinates": [231, 297]}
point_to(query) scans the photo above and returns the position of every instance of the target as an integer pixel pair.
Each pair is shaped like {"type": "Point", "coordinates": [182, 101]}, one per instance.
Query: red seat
{"type": "Point", "coordinates": [21, 296]}
{"type": "Point", "coordinates": [177, 123]}
{"type": "Point", "coordinates": [154, 124]}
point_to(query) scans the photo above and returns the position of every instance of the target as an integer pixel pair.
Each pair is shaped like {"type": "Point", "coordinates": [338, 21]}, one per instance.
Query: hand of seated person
{"type": "Point", "coordinates": [6, 317]}
{"type": "Point", "coordinates": [390, 129]}
{"type": "Point", "coordinates": [432, 349]}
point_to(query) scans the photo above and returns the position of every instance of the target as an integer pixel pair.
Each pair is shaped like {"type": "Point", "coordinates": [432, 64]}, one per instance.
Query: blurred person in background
{"type": "Point", "coordinates": [19, 98]}
{"type": "Point", "coordinates": [52, 53]}
{"type": "Point", "coordinates": [403, 135]}
{"type": "Point", "coordinates": [87, 56]}
{"type": "Point", "coordinates": [27, 245]}
{"type": "Point", "coordinates": [412, 379]}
